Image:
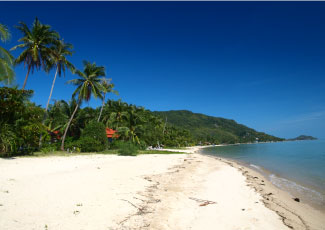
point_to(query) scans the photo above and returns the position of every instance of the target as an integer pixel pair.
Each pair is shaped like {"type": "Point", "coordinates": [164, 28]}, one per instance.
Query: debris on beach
{"type": "Point", "coordinates": [202, 202]}
{"type": "Point", "coordinates": [296, 199]}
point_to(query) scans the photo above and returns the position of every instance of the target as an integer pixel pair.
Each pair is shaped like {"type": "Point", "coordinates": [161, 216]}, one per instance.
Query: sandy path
{"type": "Point", "coordinates": [144, 192]}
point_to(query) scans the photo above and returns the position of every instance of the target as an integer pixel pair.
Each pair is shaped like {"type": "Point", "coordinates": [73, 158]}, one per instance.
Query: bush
{"type": "Point", "coordinates": [48, 149]}
{"type": "Point", "coordinates": [114, 144]}
{"type": "Point", "coordinates": [93, 138]}
{"type": "Point", "coordinates": [8, 141]}
{"type": "Point", "coordinates": [143, 145]}
{"type": "Point", "coordinates": [20, 122]}
{"type": "Point", "coordinates": [127, 149]}
{"type": "Point", "coordinates": [89, 144]}
{"type": "Point", "coordinates": [71, 145]}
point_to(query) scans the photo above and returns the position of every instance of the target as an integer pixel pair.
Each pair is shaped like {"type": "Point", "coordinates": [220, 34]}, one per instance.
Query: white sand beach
{"type": "Point", "coordinates": [176, 191]}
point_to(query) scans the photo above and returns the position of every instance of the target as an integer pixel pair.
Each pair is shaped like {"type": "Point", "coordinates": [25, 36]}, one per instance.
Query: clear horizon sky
{"type": "Point", "coordinates": [259, 63]}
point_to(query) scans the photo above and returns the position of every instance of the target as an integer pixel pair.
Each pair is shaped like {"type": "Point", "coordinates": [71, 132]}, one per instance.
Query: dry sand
{"type": "Point", "coordinates": [177, 191]}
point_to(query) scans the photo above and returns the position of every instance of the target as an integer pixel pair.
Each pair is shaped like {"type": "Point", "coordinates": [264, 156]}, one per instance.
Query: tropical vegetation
{"type": "Point", "coordinates": [36, 46]}
{"type": "Point", "coordinates": [217, 130]}
{"type": "Point", "coordinates": [6, 59]}
{"type": "Point", "coordinates": [70, 126]}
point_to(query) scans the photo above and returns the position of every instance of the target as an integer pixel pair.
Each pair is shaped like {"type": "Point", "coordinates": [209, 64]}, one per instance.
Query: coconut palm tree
{"type": "Point", "coordinates": [108, 89]}
{"type": "Point", "coordinates": [6, 59]}
{"type": "Point", "coordinates": [88, 84]}
{"type": "Point", "coordinates": [58, 60]}
{"type": "Point", "coordinates": [60, 112]}
{"type": "Point", "coordinates": [36, 44]}
{"type": "Point", "coordinates": [117, 113]}
{"type": "Point", "coordinates": [135, 121]}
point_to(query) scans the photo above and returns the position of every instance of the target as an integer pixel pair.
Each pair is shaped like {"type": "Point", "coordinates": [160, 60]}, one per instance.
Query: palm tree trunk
{"type": "Point", "coordinates": [47, 104]}
{"type": "Point", "coordinates": [48, 101]}
{"type": "Point", "coordinates": [26, 77]}
{"type": "Point", "coordinates": [66, 129]}
{"type": "Point", "coordinates": [101, 110]}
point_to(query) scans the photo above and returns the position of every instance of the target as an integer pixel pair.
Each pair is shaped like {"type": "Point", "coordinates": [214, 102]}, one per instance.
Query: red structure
{"type": "Point", "coordinates": [110, 133]}
{"type": "Point", "coordinates": [55, 135]}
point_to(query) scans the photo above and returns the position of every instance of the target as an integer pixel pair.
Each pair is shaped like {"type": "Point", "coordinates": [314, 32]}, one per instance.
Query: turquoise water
{"type": "Point", "coordinates": [295, 166]}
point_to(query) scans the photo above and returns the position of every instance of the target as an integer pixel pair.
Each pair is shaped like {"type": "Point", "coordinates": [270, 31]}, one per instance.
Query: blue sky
{"type": "Point", "coordinates": [259, 63]}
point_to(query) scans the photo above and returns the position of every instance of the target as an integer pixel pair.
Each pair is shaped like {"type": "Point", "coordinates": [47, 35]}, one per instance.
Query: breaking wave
{"type": "Point", "coordinates": [293, 186]}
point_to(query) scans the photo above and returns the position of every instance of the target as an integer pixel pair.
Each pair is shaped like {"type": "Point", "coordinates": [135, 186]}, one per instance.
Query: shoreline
{"type": "Point", "coordinates": [303, 198]}
{"type": "Point", "coordinates": [304, 191]}
{"type": "Point", "coordinates": [295, 215]}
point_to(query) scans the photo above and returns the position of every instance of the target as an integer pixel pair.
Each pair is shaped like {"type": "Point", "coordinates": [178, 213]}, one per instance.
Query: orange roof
{"type": "Point", "coordinates": [110, 132]}
{"type": "Point", "coordinates": [55, 133]}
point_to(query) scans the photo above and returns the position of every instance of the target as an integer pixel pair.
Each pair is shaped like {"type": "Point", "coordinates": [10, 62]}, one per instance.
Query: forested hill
{"type": "Point", "coordinates": [302, 138]}
{"type": "Point", "coordinates": [213, 129]}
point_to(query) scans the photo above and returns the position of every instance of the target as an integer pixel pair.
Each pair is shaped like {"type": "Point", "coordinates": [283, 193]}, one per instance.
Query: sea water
{"type": "Point", "coordinates": [295, 166]}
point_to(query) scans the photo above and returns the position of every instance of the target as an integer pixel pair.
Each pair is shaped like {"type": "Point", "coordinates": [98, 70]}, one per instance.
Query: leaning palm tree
{"type": "Point", "coordinates": [108, 89]}
{"type": "Point", "coordinates": [6, 59]}
{"type": "Point", "coordinates": [58, 60]}
{"type": "Point", "coordinates": [36, 46]}
{"type": "Point", "coordinates": [88, 84]}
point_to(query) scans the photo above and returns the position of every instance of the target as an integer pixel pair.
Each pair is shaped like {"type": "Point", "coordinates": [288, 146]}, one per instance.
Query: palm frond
{"type": "Point", "coordinates": [89, 82]}
{"type": "Point", "coordinates": [6, 56]}
{"type": "Point", "coordinates": [35, 45]}
{"type": "Point", "coordinates": [4, 33]}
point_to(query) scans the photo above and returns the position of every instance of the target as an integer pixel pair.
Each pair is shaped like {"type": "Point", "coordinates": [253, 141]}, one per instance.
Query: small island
{"type": "Point", "coordinates": [302, 138]}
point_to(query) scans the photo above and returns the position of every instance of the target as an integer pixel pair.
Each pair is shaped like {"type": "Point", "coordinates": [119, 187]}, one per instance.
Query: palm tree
{"type": "Point", "coordinates": [118, 115]}
{"type": "Point", "coordinates": [6, 59]}
{"type": "Point", "coordinates": [88, 84]}
{"type": "Point", "coordinates": [108, 88]}
{"type": "Point", "coordinates": [60, 112]}
{"type": "Point", "coordinates": [135, 120]}
{"type": "Point", "coordinates": [58, 60]}
{"type": "Point", "coordinates": [35, 45]}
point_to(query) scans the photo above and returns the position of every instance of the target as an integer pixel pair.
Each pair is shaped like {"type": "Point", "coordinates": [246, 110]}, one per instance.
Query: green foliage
{"type": "Point", "coordinates": [84, 129]}
{"type": "Point", "coordinates": [12, 103]}
{"type": "Point", "coordinates": [35, 45]}
{"type": "Point", "coordinates": [214, 129]}
{"type": "Point", "coordinates": [59, 51]}
{"type": "Point", "coordinates": [142, 145]}
{"type": "Point", "coordinates": [89, 144]}
{"type": "Point", "coordinates": [303, 137]}
{"type": "Point", "coordinates": [8, 140]}
{"type": "Point", "coordinates": [142, 127]}
{"type": "Point", "coordinates": [72, 145]}
{"type": "Point", "coordinates": [6, 59]}
{"type": "Point", "coordinates": [48, 149]}
{"type": "Point", "coordinates": [93, 138]}
{"type": "Point", "coordinates": [88, 84]}
{"type": "Point", "coordinates": [127, 148]}
{"type": "Point", "coordinates": [20, 122]}
{"type": "Point", "coordinates": [136, 127]}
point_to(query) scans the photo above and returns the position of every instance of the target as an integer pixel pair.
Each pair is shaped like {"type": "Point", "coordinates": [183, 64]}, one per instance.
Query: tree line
{"type": "Point", "coordinates": [26, 127]}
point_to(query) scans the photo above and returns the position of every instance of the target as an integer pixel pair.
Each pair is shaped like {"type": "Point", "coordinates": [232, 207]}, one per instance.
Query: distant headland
{"type": "Point", "coordinates": [302, 138]}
